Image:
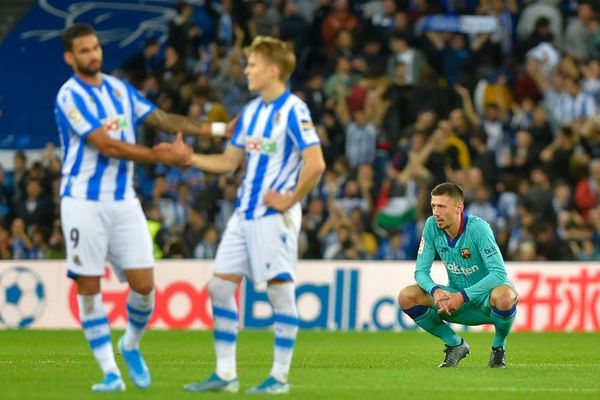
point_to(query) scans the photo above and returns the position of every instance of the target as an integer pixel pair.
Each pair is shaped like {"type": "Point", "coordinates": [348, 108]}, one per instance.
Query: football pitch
{"type": "Point", "coordinates": [58, 365]}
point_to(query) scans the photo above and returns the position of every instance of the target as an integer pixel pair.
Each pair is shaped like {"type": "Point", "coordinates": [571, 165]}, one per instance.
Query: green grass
{"type": "Point", "coordinates": [58, 365]}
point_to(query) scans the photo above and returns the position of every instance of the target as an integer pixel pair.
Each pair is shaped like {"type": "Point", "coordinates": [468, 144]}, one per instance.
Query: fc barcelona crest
{"type": "Point", "coordinates": [465, 253]}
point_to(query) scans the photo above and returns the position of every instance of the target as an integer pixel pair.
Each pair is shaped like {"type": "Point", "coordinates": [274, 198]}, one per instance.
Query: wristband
{"type": "Point", "coordinates": [218, 128]}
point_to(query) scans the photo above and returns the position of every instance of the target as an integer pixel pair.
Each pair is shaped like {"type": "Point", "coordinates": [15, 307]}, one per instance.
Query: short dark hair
{"type": "Point", "coordinates": [151, 42]}
{"type": "Point", "coordinates": [75, 31]}
{"type": "Point", "coordinates": [180, 6]}
{"type": "Point", "coordinates": [449, 189]}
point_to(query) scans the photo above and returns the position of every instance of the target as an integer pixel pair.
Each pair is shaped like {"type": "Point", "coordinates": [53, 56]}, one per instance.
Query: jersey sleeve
{"type": "Point", "coordinates": [490, 254]}
{"type": "Point", "coordinates": [425, 258]}
{"type": "Point", "coordinates": [140, 106]}
{"type": "Point", "coordinates": [300, 127]}
{"type": "Point", "coordinates": [238, 139]}
{"type": "Point", "coordinates": [72, 108]}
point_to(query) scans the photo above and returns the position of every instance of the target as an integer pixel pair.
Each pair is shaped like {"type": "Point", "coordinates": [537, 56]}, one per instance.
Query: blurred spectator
{"type": "Point", "coordinates": [20, 243]}
{"type": "Point", "coordinates": [194, 229]}
{"type": "Point", "coordinates": [557, 156]}
{"type": "Point", "coordinates": [574, 105]}
{"type": "Point", "coordinates": [34, 208]}
{"type": "Point", "coordinates": [587, 192]}
{"type": "Point", "coordinates": [5, 197]}
{"type": "Point", "coordinates": [56, 242]}
{"type": "Point", "coordinates": [39, 249]}
{"type": "Point", "coordinates": [482, 207]}
{"type": "Point", "coordinates": [19, 174]}
{"type": "Point", "coordinates": [5, 244]}
{"type": "Point", "coordinates": [225, 24]}
{"type": "Point", "coordinates": [184, 34]}
{"type": "Point", "coordinates": [226, 205]}
{"type": "Point", "coordinates": [312, 222]}
{"type": "Point", "coordinates": [292, 27]}
{"type": "Point", "coordinates": [340, 18]}
{"type": "Point", "coordinates": [354, 197]}
{"type": "Point", "coordinates": [393, 248]}
{"type": "Point", "coordinates": [207, 247]}
{"type": "Point", "coordinates": [174, 249]}
{"type": "Point", "coordinates": [262, 23]}
{"type": "Point", "coordinates": [143, 64]}
{"type": "Point", "coordinates": [401, 53]}
{"type": "Point", "coordinates": [549, 248]}
{"type": "Point", "coordinates": [576, 35]}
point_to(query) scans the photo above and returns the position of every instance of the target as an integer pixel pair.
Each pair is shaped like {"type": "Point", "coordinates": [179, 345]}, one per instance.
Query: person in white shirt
{"type": "Point", "coordinates": [276, 138]}
{"type": "Point", "coordinates": [101, 218]}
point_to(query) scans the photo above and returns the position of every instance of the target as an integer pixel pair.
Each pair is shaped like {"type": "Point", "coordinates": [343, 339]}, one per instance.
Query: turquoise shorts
{"type": "Point", "coordinates": [475, 312]}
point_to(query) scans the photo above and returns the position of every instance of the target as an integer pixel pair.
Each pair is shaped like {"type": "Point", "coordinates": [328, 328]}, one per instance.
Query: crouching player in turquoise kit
{"type": "Point", "coordinates": [478, 291]}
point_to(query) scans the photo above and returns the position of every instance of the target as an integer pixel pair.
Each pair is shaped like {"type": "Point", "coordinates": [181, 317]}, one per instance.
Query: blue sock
{"type": "Point", "coordinates": [139, 311]}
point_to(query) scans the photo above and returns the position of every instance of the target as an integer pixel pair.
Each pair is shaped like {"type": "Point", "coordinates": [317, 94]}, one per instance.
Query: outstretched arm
{"type": "Point", "coordinates": [173, 123]}
{"type": "Point", "coordinates": [177, 153]}
{"type": "Point", "coordinates": [223, 163]}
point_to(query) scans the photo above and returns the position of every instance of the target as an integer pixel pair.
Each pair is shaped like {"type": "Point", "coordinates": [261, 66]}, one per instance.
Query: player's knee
{"type": "Point", "coordinates": [221, 289]}
{"type": "Point", "coordinates": [143, 288]}
{"type": "Point", "coordinates": [213, 288]}
{"type": "Point", "coordinates": [88, 286]}
{"type": "Point", "coordinates": [407, 298]}
{"type": "Point", "coordinates": [505, 299]}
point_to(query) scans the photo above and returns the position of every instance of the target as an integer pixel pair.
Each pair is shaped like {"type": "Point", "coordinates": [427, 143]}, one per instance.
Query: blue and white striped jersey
{"type": "Point", "coordinates": [80, 109]}
{"type": "Point", "coordinates": [273, 136]}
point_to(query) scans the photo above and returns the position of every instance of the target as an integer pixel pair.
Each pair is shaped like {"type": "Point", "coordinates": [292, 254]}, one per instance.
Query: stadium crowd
{"type": "Point", "coordinates": [401, 101]}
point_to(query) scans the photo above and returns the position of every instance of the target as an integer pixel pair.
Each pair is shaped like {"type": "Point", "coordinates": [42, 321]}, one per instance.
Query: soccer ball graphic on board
{"type": "Point", "coordinates": [22, 297]}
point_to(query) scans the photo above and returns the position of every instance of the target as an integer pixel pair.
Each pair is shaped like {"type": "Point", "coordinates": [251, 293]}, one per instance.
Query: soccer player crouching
{"type": "Point", "coordinates": [478, 291]}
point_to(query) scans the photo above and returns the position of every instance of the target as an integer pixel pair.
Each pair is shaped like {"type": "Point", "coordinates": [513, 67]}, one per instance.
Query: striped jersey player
{"type": "Point", "coordinates": [283, 161]}
{"type": "Point", "coordinates": [101, 218]}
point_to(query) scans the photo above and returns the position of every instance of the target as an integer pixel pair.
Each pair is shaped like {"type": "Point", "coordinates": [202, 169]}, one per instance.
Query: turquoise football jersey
{"type": "Point", "coordinates": [472, 259]}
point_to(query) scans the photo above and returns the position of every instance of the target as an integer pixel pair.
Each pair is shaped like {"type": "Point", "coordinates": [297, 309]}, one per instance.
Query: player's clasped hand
{"type": "Point", "coordinates": [176, 153]}
{"type": "Point", "coordinates": [279, 201]}
{"type": "Point", "coordinates": [449, 302]}
{"type": "Point", "coordinates": [440, 298]}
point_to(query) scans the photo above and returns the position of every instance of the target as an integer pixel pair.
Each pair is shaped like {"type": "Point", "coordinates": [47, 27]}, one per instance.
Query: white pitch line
{"type": "Point", "coordinates": [544, 365]}
{"type": "Point", "coordinates": [475, 389]}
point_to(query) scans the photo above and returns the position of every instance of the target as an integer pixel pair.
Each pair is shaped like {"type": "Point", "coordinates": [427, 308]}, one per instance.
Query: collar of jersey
{"type": "Point", "coordinates": [461, 229]}
{"type": "Point", "coordinates": [278, 102]}
{"type": "Point", "coordinates": [87, 85]}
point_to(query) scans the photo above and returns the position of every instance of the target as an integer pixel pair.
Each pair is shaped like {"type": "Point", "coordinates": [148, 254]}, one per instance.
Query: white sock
{"type": "Point", "coordinates": [139, 311]}
{"type": "Point", "coordinates": [97, 331]}
{"type": "Point", "coordinates": [225, 325]}
{"type": "Point", "coordinates": [283, 299]}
